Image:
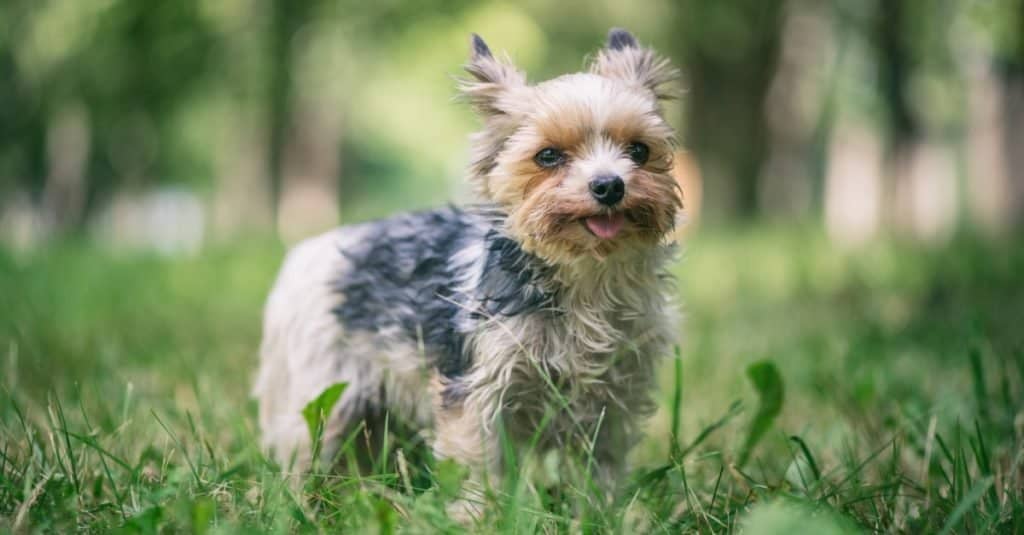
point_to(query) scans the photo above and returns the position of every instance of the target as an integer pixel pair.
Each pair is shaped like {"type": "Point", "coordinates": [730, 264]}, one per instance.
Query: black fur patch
{"type": "Point", "coordinates": [480, 48]}
{"type": "Point", "coordinates": [511, 281]}
{"type": "Point", "coordinates": [403, 278]}
{"type": "Point", "coordinates": [619, 39]}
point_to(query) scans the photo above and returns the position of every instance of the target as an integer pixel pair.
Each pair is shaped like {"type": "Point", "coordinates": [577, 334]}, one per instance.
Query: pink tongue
{"type": "Point", "coordinates": [605, 226]}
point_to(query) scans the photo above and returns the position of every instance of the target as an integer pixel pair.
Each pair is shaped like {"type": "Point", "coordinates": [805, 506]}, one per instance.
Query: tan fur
{"type": "Point", "coordinates": [592, 118]}
{"type": "Point", "coordinates": [597, 359]}
{"type": "Point", "coordinates": [576, 376]}
{"type": "Point", "coordinates": [593, 367]}
{"type": "Point", "coordinates": [639, 66]}
{"type": "Point", "coordinates": [299, 356]}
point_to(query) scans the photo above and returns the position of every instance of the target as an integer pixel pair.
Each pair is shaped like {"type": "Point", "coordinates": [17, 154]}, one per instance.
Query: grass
{"type": "Point", "coordinates": [817, 390]}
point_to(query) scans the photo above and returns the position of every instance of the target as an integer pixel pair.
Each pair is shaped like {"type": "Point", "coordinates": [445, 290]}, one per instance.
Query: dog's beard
{"type": "Point", "coordinates": [555, 226]}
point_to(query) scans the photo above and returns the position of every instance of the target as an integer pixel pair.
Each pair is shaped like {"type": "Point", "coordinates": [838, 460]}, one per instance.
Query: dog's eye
{"type": "Point", "coordinates": [549, 157]}
{"type": "Point", "coordinates": [638, 152]}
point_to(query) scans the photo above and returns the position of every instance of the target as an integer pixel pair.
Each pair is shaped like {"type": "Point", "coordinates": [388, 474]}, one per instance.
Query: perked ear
{"type": "Point", "coordinates": [491, 78]}
{"type": "Point", "coordinates": [623, 58]}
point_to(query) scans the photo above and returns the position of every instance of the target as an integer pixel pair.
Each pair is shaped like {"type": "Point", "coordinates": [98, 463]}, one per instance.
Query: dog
{"type": "Point", "coordinates": [536, 316]}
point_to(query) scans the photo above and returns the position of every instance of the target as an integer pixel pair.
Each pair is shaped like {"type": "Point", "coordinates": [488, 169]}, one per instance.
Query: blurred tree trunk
{"type": "Point", "coordinates": [894, 61]}
{"type": "Point", "coordinates": [731, 50]}
{"type": "Point", "coordinates": [895, 68]}
{"type": "Point", "coordinates": [801, 109]}
{"type": "Point", "coordinates": [68, 145]}
{"type": "Point", "coordinates": [305, 130]}
{"type": "Point", "coordinates": [286, 19]}
{"type": "Point", "coordinates": [1012, 79]}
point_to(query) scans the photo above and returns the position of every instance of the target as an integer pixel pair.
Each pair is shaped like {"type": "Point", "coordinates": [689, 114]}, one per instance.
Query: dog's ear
{"type": "Point", "coordinates": [490, 78]}
{"type": "Point", "coordinates": [623, 58]}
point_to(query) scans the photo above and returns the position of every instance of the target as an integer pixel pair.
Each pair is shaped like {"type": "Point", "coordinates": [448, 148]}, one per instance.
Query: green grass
{"type": "Point", "coordinates": [817, 390]}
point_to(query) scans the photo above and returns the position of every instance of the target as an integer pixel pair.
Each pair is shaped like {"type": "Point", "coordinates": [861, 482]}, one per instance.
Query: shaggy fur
{"type": "Point", "coordinates": [510, 311]}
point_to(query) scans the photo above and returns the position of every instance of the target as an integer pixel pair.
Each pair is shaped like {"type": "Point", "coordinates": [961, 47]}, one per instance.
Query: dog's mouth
{"type": "Point", "coordinates": [605, 226]}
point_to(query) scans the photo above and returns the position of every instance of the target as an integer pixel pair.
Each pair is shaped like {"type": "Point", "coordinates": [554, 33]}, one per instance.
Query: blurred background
{"type": "Point", "coordinates": [854, 173]}
{"type": "Point", "coordinates": [177, 124]}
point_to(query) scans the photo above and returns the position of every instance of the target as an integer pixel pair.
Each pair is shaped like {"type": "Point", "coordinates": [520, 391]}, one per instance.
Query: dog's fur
{"type": "Point", "coordinates": [511, 311]}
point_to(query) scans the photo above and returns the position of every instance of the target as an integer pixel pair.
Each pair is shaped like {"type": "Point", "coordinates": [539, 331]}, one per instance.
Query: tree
{"type": "Point", "coordinates": [730, 51]}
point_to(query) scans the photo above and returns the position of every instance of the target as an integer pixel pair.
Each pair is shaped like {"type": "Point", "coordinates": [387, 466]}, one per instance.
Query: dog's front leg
{"type": "Point", "coordinates": [462, 437]}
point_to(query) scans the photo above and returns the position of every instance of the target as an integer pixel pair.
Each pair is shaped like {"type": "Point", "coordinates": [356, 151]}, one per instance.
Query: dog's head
{"type": "Point", "coordinates": [581, 163]}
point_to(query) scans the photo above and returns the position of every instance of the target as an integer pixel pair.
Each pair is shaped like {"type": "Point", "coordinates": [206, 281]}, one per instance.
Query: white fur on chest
{"type": "Point", "coordinates": [595, 351]}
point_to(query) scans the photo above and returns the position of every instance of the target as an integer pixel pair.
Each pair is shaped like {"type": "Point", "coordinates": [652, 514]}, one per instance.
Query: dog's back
{"type": "Point", "coordinates": [374, 306]}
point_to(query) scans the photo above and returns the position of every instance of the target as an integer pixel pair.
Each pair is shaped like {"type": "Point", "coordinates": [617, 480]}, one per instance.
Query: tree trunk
{"type": "Point", "coordinates": [1013, 118]}
{"type": "Point", "coordinates": [902, 129]}
{"type": "Point", "coordinates": [286, 18]}
{"type": "Point", "coordinates": [731, 51]}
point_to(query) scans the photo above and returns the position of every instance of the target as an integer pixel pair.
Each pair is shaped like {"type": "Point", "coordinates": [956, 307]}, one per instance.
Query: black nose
{"type": "Point", "coordinates": [607, 189]}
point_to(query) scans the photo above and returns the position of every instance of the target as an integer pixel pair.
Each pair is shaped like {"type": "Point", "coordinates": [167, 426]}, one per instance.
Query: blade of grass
{"type": "Point", "coordinates": [807, 455]}
{"type": "Point", "coordinates": [978, 376]}
{"type": "Point", "coordinates": [178, 443]}
{"type": "Point", "coordinates": [856, 470]}
{"type": "Point", "coordinates": [718, 482]}
{"type": "Point", "coordinates": [734, 409]}
{"type": "Point", "coordinates": [980, 451]}
{"type": "Point", "coordinates": [103, 461]}
{"type": "Point", "coordinates": [677, 403]}
{"type": "Point", "coordinates": [965, 504]}
{"type": "Point", "coordinates": [103, 453]}
{"type": "Point", "coordinates": [67, 443]}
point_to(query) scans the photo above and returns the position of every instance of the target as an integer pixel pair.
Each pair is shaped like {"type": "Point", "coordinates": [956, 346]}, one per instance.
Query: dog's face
{"type": "Point", "coordinates": [581, 163]}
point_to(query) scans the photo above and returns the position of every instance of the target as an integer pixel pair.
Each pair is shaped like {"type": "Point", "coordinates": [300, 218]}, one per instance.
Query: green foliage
{"type": "Point", "coordinates": [199, 93]}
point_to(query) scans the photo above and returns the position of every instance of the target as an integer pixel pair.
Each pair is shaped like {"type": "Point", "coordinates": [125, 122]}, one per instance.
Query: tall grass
{"type": "Point", "coordinates": [815, 390]}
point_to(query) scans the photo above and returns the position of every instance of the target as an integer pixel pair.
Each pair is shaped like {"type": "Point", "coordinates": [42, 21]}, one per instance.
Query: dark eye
{"type": "Point", "coordinates": [638, 152]}
{"type": "Point", "coordinates": [549, 157]}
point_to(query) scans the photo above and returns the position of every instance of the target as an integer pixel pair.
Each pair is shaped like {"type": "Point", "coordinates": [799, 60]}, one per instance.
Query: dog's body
{"type": "Point", "coordinates": [544, 309]}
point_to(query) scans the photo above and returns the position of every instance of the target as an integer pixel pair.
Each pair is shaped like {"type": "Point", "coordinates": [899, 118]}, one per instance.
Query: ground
{"type": "Point", "coordinates": [818, 388]}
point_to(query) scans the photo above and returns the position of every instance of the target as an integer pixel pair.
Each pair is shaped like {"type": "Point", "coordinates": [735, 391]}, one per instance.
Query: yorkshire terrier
{"type": "Point", "coordinates": [537, 316]}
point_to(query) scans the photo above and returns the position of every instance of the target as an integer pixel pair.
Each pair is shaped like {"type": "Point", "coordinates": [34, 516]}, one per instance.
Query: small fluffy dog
{"type": "Point", "coordinates": [538, 315]}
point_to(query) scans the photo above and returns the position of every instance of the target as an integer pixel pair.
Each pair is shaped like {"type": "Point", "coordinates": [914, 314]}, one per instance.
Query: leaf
{"type": "Point", "coordinates": [315, 412]}
{"type": "Point", "coordinates": [385, 513]}
{"type": "Point", "coordinates": [768, 383]}
{"type": "Point", "coordinates": [202, 515]}
{"type": "Point", "coordinates": [449, 476]}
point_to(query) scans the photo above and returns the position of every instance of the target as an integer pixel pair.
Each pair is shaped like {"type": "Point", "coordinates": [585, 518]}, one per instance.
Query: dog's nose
{"type": "Point", "coordinates": [607, 189]}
